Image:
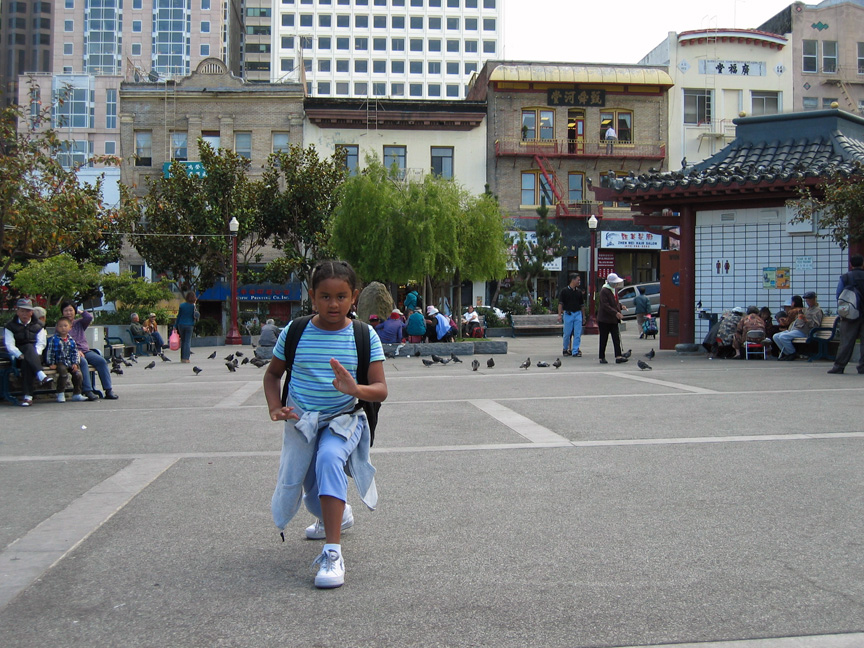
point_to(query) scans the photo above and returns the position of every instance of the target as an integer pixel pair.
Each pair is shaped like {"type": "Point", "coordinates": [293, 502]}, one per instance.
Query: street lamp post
{"type": "Point", "coordinates": [590, 327]}
{"type": "Point", "coordinates": [233, 336]}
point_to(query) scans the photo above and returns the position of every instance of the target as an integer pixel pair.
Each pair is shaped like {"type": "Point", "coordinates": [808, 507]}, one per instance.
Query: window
{"type": "Point", "coordinates": [470, 47]}
{"type": "Point", "coordinates": [860, 58]}
{"type": "Point", "coordinates": [379, 44]}
{"type": "Point", "coordinates": [470, 68]}
{"type": "Point", "coordinates": [470, 4]}
{"type": "Point", "coordinates": [306, 20]}
{"type": "Point", "coordinates": [488, 24]}
{"type": "Point", "coordinates": [452, 68]}
{"type": "Point", "coordinates": [395, 155]}
{"type": "Point", "coordinates": [827, 101]}
{"type": "Point", "coordinates": [205, 26]}
{"type": "Point", "coordinates": [258, 12]}
{"type": "Point", "coordinates": [453, 91]}
{"type": "Point", "coordinates": [416, 22]}
{"type": "Point", "coordinates": [488, 4]}
{"type": "Point", "coordinates": [343, 43]}
{"type": "Point", "coordinates": [531, 117]}
{"type": "Point", "coordinates": [434, 90]}
{"type": "Point", "coordinates": [810, 103]}
{"type": "Point", "coordinates": [179, 150]}
{"type": "Point", "coordinates": [325, 20]}
{"type": "Point", "coordinates": [342, 88]}
{"type": "Point", "coordinates": [285, 65]}
{"type": "Point", "coordinates": [307, 65]}
{"type": "Point", "coordinates": [69, 25]}
{"type": "Point", "coordinates": [765, 103]}
{"type": "Point", "coordinates": [324, 43]}
{"type": "Point", "coordinates": [452, 45]}
{"type": "Point", "coordinates": [136, 26]}
{"type": "Point", "coordinates": [287, 42]}
{"type": "Point", "coordinates": [205, 49]}
{"type": "Point", "coordinates": [397, 44]}
{"type": "Point", "coordinates": [361, 21]}
{"type": "Point", "coordinates": [205, 5]}
{"type": "Point", "coordinates": [470, 24]}
{"type": "Point", "coordinates": [323, 88]}
{"type": "Point", "coordinates": [488, 47]}
{"type": "Point", "coordinates": [434, 22]}
{"type": "Point", "coordinates": [143, 148]}
{"type": "Point", "coordinates": [623, 122]}
{"type": "Point", "coordinates": [361, 44]}
{"type": "Point", "coordinates": [453, 3]}
{"type": "Point", "coordinates": [534, 186]}
{"type": "Point", "coordinates": [442, 161]}
{"type": "Point", "coordinates": [379, 89]}
{"type": "Point", "coordinates": [361, 66]}
{"type": "Point", "coordinates": [697, 106]}
{"type": "Point", "coordinates": [397, 89]}
{"type": "Point", "coordinates": [361, 88]}
{"type": "Point", "coordinates": [343, 21]}
{"type": "Point", "coordinates": [397, 67]}
{"type": "Point", "coordinates": [415, 67]}
{"type": "Point", "coordinates": [111, 108]}
{"type": "Point", "coordinates": [416, 44]}
{"type": "Point", "coordinates": [136, 49]}
{"type": "Point", "coordinates": [575, 185]}
{"type": "Point", "coordinates": [379, 67]}
{"type": "Point", "coordinates": [67, 49]}
{"type": "Point", "coordinates": [74, 152]}
{"type": "Point", "coordinates": [829, 56]}
{"type": "Point", "coordinates": [212, 139]}
{"type": "Point", "coordinates": [110, 147]}
{"type": "Point", "coordinates": [434, 45]}
{"type": "Point", "coordinates": [323, 65]}
{"type": "Point", "coordinates": [415, 89]}
{"type": "Point", "coordinates": [397, 22]}
{"type": "Point", "coordinates": [452, 23]}
{"type": "Point", "coordinates": [809, 61]}
{"type": "Point", "coordinates": [379, 22]}
{"type": "Point", "coordinates": [343, 65]}
{"type": "Point", "coordinates": [434, 67]}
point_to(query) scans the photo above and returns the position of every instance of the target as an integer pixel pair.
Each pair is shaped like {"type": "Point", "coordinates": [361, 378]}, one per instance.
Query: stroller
{"type": "Point", "coordinates": [649, 327]}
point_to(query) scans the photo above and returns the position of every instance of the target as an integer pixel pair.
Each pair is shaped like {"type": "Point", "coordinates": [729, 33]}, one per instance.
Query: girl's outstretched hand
{"type": "Point", "coordinates": [283, 414]}
{"type": "Point", "coordinates": [344, 381]}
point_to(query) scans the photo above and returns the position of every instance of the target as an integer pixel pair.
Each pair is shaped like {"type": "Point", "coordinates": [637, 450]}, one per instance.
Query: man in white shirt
{"type": "Point", "coordinates": [25, 339]}
{"type": "Point", "coordinates": [610, 137]}
{"type": "Point", "coordinates": [470, 321]}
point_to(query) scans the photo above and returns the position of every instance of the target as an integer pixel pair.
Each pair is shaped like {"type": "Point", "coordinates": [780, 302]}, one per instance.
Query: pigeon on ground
{"type": "Point", "coordinates": [238, 354]}
{"type": "Point", "coordinates": [557, 363]}
{"type": "Point", "coordinates": [426, 362]}
{"type": "Point", "coordinates": [133, 358]}
{"type": "Point", "coordinates": [254, 346]}
{"type": "Point", "coordinates": [245, 361]}
{"type": "Point", "coordinates": [388, 354]}
{"type": "Point", "coordinates": [643, 365]}
{"type": "Point", "coordinates": [525, 364]}
{"type": "Point", "coordinates": [151, 365]}
{"type": "Point", "coordinates": [475, 365]}
{"type": "Point", "coordinates": [454, 357]}
{"type": "Point", "coordinates": [211, 356]}
{"type": "Point", "coordinates": [436, 358]}
{"type": "Point", "coordinates": [116, 370]}
{"type": "Point", "coordinates": [445, 361]}
{"type": "Point", "coordinates": [542, 364]}
{"type": "Point", "coordinates": [197, 370]}
{"type": "Point", "coordinates": [126, 362]}
{"type": "Point", "coordinates": [231, 366]}
{"type": "Point", "coordinates": [416, 353]}
{"type": "Point", "coordinates": [229, 358]}
{"type": "Point", "coordinates": [164, 357]}
{"type": "Point", "coordinates": [650, 354]}
{"type": "Point", "coordinates": [258, 362]}
{"type": "Point", "coordinates": [627, 354]}
{"type": "Point", "coordinates": [490, 362]}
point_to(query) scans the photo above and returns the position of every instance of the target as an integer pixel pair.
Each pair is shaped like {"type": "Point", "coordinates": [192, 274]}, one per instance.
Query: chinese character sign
{"type": "Point", "coordinates": [732, 68]}
{"type": "Point", "coordinates": [631, 240]}
{"type": "Point", "coordinates": [578, 98]}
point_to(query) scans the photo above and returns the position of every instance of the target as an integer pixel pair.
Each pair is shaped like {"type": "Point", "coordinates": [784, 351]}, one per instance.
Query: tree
{"type": "Point", "coordinates": [57, 278]}
{"type": "Point", "coordinates": [837, 205]}
{"type": "Point", "coordinates": [183, 228]}
{"type": "Point", "coordinates": [299, 192]}
{"type": "Point", "coordinates": [45, 210]}
{"type": "Point", "coordinates": [532, 255]}
{"type": "Point", "coordinates": [395, 231]}
{"type": "Point", "coordinates": [135, 292]}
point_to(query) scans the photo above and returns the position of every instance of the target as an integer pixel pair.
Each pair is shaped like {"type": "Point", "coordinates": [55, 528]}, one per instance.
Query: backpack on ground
{"type": "Point", "coordinates": [364, 356]}
{"type": "Point", "coordinates": [849, 301]}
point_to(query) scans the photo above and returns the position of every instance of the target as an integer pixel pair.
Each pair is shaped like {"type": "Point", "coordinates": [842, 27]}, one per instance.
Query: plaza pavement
{"type": "Point", "coordinates": [596, 505]}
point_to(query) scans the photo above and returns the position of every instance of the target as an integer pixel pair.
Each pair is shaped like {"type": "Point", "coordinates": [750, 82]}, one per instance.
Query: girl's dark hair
{"type": "Point", "coordinates": [333, 269]}
{"type": "Point", "coordinates": [66, 303]}
{"type": "Point", "coordinates": [797, 302]}
{"type": "Point", "coordinates": [190, 297]}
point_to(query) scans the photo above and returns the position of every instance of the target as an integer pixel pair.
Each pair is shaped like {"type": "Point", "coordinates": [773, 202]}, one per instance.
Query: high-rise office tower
{"type": "Point", "coordinates": [25, 43]}
{"type": "Point", "coordinates": [99, 43]}
{"type": "Point", "coordinates": [413, 49]}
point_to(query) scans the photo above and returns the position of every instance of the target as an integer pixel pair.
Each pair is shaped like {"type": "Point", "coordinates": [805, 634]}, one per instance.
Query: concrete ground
{"type": "Point", "coordinates": [594, 505]}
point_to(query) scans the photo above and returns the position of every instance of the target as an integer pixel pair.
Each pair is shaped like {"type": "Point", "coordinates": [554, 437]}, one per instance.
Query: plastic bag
{"type": "Point", "coordinates": [174, 340]}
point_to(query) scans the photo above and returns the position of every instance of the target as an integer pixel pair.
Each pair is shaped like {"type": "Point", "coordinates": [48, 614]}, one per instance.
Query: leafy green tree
{"type": "Point", "coordinates": [57, 278]}
{"type": "Point", "coordinates": [133, 292]}
{"type": "Point", "coordinates": [837, 206]}
{"type": "Point", "coordinates": [45, 210]}
{"type": "Point", "coordinates": [532, 255]}
{"type": "Point", "coordinates": [183, 230]}
{"type": "Point", "coordinates": [299, 191]}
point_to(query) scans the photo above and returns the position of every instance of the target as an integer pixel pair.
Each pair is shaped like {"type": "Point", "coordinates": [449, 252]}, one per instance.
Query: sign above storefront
{"type": "Point", "coordinates": [631, 240]}
{"type": "Point", "coordinates": [575, 97]}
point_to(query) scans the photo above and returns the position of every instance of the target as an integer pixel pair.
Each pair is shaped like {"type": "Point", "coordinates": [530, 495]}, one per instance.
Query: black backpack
{"type": "Point", "coordinates": [364, 355]}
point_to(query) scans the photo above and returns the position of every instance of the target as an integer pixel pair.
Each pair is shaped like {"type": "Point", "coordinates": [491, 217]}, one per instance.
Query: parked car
{"type": "Point", "coordinates": [628, 293]}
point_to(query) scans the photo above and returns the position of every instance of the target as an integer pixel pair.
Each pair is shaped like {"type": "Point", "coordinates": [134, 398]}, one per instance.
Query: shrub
{"type": "Point", "coordinates": [207, 327]}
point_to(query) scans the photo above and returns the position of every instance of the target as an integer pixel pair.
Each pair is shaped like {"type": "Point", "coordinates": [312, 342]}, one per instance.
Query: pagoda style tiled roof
{"type": "Point", "coordinates": [777, 152]}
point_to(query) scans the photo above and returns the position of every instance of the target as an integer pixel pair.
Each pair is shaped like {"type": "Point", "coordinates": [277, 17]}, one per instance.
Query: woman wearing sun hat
{"type": "Point", "coordinates": [608, 316]}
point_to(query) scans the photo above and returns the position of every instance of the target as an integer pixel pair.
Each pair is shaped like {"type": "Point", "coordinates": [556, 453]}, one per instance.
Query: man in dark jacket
{"type": "Point", "coordinates": [851, 330]}
{"type": "Point", "coordinates": [25, 340]}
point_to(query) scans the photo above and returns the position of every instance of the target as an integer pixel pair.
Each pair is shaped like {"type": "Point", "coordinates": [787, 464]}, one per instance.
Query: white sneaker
{"type": "Point", "coordinates": [316, 531]}
{"type": "Point", "coordinates": [331, 569]}
{"type": "Point", "coordinates": [78, 398]}
{"type": "Point", "coordinates": [61, 397]}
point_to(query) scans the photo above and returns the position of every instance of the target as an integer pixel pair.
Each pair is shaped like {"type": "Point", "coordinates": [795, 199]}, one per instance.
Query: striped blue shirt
{"type": "Point", "coordinates": [311, 384]}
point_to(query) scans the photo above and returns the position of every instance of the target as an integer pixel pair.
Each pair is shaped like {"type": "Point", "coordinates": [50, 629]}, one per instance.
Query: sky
{"type": "Point", "coordinates": [617, 31]}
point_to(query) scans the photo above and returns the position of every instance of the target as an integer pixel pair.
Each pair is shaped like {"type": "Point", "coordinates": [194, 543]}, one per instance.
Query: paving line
{"type": "Point", "coordinates": [532, 431]}
{"type": "Point", "coordinates": [663, 383]}
{"type": "Point", "coordinates": [240, 396]}
{"type": "Point", "coordinates": [30, 556]}
{"type": "Point", "coordinates": [852, 640]}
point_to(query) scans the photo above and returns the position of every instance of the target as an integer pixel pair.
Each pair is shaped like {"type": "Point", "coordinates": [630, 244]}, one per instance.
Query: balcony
{"type": "Point", "coordinates": [590, 149]}
{"type": "Point", "coordinates": [580, 209]}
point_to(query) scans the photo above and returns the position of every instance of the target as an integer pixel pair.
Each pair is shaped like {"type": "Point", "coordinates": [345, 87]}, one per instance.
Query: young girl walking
{"type": "Point", "coordinates": [325, 428]}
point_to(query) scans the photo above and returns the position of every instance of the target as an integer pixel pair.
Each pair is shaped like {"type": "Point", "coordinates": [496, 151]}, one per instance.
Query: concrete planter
{"type": "Point", "coordinates": [503, 331]}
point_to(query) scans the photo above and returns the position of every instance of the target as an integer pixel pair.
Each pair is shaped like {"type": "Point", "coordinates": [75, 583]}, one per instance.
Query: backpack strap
{"type": "Point", "coordinates": [292, 338]}
{"type": "Point", "coordinates": [364, 351]}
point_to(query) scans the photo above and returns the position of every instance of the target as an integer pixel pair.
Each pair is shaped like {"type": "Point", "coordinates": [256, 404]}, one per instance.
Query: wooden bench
{"type": "Point", "coordinates": [822, 336]}
{"type": "Point", "coordinates": [10, 381]}
{"type": "Point", "coordinates": [536, 324]}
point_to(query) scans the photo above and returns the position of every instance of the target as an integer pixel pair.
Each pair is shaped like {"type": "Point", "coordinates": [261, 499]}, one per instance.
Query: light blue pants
{"type": "Point", "coordinates": [783, 339]}
{"type": "Point", "coordinates": [572, 328]}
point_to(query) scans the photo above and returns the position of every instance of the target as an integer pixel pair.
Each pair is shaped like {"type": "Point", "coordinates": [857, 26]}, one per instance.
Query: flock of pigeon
{"type": "Point", "coordinates": [232, 361]}
{"type": "Point", "coordinates": [475, 364]}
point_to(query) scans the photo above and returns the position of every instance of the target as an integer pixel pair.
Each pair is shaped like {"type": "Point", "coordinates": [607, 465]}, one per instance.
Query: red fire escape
{"type": "Point", "coordinates": [552, 180]}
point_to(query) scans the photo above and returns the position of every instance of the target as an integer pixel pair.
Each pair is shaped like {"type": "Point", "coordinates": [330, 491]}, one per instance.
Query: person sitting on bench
{"type": "Point", "coordinates": [25, 340]}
